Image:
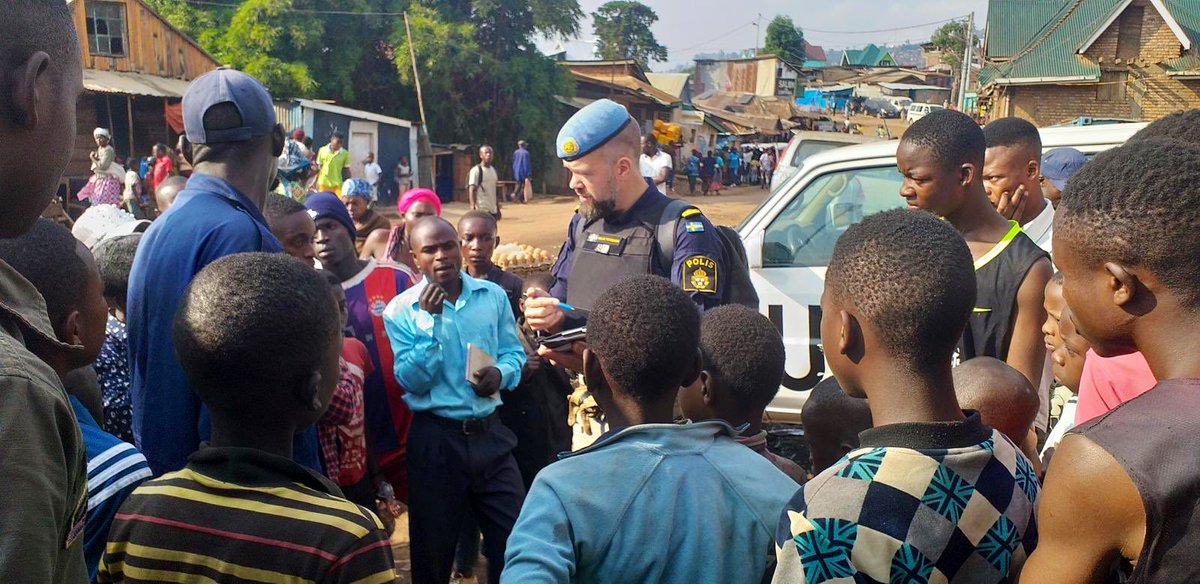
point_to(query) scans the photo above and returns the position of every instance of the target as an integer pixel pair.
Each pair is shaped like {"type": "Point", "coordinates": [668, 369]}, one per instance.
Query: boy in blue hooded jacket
{"type": "Point", "coordinates": [649, 500]}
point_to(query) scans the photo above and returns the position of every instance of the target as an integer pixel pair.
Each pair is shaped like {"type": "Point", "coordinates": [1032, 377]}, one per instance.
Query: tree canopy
{"type": "Point", "coordinates": [622, 29]}
{"type": "Point", "coordinates": [951, 40]}
{"type": "Point", "coordinates": [785, 39]}
{"type": "Point", "coordinates": [482, 78]}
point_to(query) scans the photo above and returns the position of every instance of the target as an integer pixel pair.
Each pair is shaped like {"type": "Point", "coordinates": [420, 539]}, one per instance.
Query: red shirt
{"type": "Point", "coordinates": [341, 430]}
{"type": "Point", "coordinates": [162, 170]}
{"type": "Point", "coordinates": [1108, 382]}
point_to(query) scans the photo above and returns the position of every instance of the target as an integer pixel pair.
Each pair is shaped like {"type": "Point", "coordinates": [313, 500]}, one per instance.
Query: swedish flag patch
{"type": "Point", "coordinates": [694, 227]}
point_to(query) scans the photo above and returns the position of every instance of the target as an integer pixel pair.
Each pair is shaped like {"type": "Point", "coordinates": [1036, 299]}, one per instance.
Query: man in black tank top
{"type": "Point", "coordinates": [941, 158]}
{"type": "Point", "coordinates": [1122, 490]}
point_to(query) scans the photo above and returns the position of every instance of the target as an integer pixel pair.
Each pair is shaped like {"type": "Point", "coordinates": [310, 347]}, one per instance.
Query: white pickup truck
{"type": "Point", "coordinates": [790, 236]}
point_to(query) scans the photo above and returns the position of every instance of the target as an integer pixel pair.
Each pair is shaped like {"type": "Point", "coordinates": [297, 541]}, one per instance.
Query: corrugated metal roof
{"type": "Point", "coordinates": [1188, 64]}
{"type": "Point", "coordinates": [1012, 23]}
{"type": "Point", "coordinates": [672, 83]}
{"type": "Point", "coordinates": [132, 83]}
{"type": "Point", "coordinates": [1052, 55]}
{"type": "Point", "coordinates": [353, 113]}
{"type": "Point", "coordinates": [911, 86]}
{"type": "Point", "coordinates": [1187, 14]}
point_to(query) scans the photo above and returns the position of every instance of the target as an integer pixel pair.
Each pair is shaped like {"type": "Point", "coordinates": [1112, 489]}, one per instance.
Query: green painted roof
{"type": "Point", "coordinates": [1011, 23]}
{"type": "Point", "coordinates": [869, 56]}
{"type": "Point", "coordinates": [1189, 63]}
{"type": "Point", "coordinates": [1053, 51]}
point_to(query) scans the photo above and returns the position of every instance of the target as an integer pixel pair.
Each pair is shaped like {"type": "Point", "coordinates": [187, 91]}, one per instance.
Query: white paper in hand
{"type": "Point", "coordinates": [479, 359]}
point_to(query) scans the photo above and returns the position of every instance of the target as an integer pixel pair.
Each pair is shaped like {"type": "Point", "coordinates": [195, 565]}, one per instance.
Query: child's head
{"type": "Point", "coordinates": [1181, 126]}
{"type": "Point", "coordinates": [167, 191]}
{"type": "Point", "coordinates": [1125, 240]}
{"type": "Point", "coordinates": [478, 233]}
{"type": "Point", "coordinates": [898, 292]}
{"type": "Point", "coordinates": [832, 422]}
{"type": "Point", "coordinates": [1068, 358]}
{"type": "Point", "coordinates": [1054, 305]}
{"type": "Point", "coordinates": [941, 158]}
{"type": "Point", "coordinates": [65, 274]}
{"type": "Point", "coordinates": [337, 294]}
{"type": "Point", "coordinates": [743, 365]}
{"type": "Point", "coordinates": [262, 353]}
{"type": "Point", "coordinates": [643, 338]}
{"type": "Point", "coordinates": [291, 224]}
{"type": "Point", "coordinates": [1002, 395]}
{"type": "Point", "coordinates": [114, 260]}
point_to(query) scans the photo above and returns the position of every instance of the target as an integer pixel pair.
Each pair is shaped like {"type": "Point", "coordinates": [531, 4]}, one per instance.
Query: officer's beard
{"type": "Point", "coordinates": [598, 209]}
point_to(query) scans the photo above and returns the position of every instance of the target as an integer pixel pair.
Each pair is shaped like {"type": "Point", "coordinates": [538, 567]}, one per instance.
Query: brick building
{"type": "Point", "coordinates": [1051, 61]}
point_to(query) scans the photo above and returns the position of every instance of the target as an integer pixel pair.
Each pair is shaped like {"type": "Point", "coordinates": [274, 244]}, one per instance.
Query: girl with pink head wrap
{"type": "Point", "coordinates": [413, 205]}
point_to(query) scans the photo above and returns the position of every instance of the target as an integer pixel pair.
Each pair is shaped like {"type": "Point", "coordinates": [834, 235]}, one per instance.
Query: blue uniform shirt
{"type": "Point", "coordinates": [209, 220]}
{"type": "Point", "coordinates": [695, 237]}
{"type": "Point", "coordinates": [431, 349]}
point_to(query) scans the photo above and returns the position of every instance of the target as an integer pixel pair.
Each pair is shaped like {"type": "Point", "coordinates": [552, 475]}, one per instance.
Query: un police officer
{"type": "Point", "coordinates": [614, 233]}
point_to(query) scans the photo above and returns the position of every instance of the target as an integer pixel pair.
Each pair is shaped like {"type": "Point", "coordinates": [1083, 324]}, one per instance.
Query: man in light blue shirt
{"type": "Point", "coordinates": [459, 453]}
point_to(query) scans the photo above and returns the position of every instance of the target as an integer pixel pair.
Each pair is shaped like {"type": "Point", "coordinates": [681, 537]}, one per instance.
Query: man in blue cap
{"type": "Point", "coordinates": [614, 234]}
{"type": "Point", "coordinates": [1058, 165]}
{"type": "Point", "coordinates": [233, 142]}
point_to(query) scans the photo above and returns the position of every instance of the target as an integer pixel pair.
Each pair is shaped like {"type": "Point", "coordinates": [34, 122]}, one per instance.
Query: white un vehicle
{"type": "Point", "coordinates": [790, 236]}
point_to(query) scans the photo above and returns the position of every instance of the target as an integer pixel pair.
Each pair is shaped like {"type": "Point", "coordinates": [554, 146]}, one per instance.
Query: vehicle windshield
{"type": "Point", "coordinates": [803, 235]}
{"type": "Point", "coordinates": [807, 148]}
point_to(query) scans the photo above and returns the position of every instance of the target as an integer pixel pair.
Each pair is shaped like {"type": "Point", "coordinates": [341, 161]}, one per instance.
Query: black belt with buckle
{"type": "Point", "coordinates": [468, 427]}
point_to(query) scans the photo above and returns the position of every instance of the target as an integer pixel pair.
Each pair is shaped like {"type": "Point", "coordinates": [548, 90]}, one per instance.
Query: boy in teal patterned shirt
{"type": "Point", "coordinates": [932, 494]}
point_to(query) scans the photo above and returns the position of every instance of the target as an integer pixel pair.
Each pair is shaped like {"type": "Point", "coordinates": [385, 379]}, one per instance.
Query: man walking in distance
{"type": "Point", "coordinates": [481, 184]}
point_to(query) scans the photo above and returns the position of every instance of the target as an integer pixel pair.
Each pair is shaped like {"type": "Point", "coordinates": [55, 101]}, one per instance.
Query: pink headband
{"type": "Point", "coordinates": [412, 196]}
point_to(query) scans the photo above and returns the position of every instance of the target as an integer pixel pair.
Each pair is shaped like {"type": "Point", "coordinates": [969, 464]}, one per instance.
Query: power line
{"type": "Point", "coordinates": [899, 28]}
{"type": "Point", "coordinates": [716, 38]}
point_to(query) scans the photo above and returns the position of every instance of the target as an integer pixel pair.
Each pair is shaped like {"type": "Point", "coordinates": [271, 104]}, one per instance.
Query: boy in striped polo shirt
{"type": "Point", "coordinates": [242, 509]}
{"type": "Point", "coordinates": [63, 271]}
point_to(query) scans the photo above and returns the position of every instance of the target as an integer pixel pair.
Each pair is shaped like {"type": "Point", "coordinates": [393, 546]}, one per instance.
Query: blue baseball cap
{"type": "Point", "coordinates": [252, 100]}
{"type": "Point", "coordinates": [590, 128]}
{"type": "Point", "coordinates": [1060, 164]}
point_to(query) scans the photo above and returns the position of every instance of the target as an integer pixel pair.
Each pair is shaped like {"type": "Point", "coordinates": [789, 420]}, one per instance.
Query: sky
{"type": "Point", "coordinates": [687, 27]}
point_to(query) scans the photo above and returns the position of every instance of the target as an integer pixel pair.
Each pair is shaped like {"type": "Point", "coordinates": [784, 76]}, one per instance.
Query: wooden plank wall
{"type": "Point", "coordinates": [152, 45]}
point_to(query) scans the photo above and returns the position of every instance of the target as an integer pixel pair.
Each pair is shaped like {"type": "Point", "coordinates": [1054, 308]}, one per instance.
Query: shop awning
{"type": "Point", "coordinates": [126, 83]}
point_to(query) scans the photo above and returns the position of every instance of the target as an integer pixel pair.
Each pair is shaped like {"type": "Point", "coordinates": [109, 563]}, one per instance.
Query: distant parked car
{"type": "Point", "coordinates": [899, 102]}
{"type": "Point", "coordinates": [881, 108]}
{"type": "Point", "coordinates": [917, 111]}
{"type": "Point", "coordinates": [805, 144]}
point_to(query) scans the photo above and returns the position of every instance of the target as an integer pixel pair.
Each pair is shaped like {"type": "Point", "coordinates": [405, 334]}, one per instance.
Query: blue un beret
{"type": "Point", "coordinates": [590, 128]}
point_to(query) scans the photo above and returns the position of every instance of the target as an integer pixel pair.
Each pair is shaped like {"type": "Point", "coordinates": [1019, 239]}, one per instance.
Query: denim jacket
{"type": "Point", "coordinates": [651, 503]}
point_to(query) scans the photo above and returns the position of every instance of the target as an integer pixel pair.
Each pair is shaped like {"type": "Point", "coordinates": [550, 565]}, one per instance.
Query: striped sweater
{"type": "Point", "coordinates": [239, 514]}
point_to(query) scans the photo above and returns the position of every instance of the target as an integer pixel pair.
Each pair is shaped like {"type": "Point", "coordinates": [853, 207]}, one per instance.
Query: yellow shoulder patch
{"type": "Point", "coordinates": [690, 211]}
{"type": "Point", "coordinates": [699, 275]}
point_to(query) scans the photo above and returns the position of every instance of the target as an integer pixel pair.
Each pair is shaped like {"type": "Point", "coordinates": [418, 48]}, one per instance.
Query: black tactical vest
{"type": "Point", "coordinates": [606, 253]}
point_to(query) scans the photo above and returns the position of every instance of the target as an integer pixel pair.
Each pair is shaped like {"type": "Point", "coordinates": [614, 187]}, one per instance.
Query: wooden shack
{"type": "Point", "coordinates": [136, 68]}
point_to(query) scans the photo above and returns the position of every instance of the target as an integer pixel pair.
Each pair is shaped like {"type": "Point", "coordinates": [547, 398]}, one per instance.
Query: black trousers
{"type": "Point", "coordinates": [451, 473]}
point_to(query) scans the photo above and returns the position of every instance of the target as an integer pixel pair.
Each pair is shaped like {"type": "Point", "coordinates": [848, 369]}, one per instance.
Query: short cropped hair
{"type": "Point", "coordinates": [952, 138]}
{"type": "Point", "coordinates": [338, 135]}
{"type": "Point", "coordinates": [46, 256]}
{"type": "Point", "coordinates": [911, 276]}
{"type": "Point", "coordinates": [1181, 126]}
{"type": "Point", "coordinates": [114, 260]}
{"type": "Point", "coordinates": [225, 116]}
{"type": "Point", "coordinates": [277, 206]}
{"type": "Point", "coordinates": [1002, 395]}
{"type": "Point", "coordinates": [1139, 204]}
{"type": "Point", "coordinates": [1013, 133]}
{"type": "Point", "coordinates": [744, 351]}
{"type": "Point", "coordinates": [253, 320]}
{"type": "Point", "coordinates": [481, 216]}
{"type": "Point", "coordinates": [645, 331]}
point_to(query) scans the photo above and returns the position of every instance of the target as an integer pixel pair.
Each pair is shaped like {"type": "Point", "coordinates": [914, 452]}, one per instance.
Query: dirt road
{"type": "Point", "coordinates": [543, 223]}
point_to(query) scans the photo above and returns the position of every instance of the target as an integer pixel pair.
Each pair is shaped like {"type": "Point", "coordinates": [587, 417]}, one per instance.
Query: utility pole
{"type": "Point", "coordinates": [412, 53]}
{"type": "Point", "coordinates": [757, 32]}
{"type": "Point", "coordinates": [966, 64]}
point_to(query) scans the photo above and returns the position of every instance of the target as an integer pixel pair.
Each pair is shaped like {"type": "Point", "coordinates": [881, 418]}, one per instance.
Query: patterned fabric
{"type": "Point", "coordinates": [341, 430]}
{"type": "Point", "coordinates": [758, 443]}
{"type": "Point", "coordinates": [102, 190]}
{"type": "Point", "coordinates": [243, 515]}
{"type": "Point", "coordinates": [917, 515]}
{"type": "Point", "coordinates": [112, 369]}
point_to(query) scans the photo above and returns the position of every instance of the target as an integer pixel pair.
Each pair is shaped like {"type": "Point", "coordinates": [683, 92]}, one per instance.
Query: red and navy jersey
{"type": "Point", "coordinates": [367, 294]}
